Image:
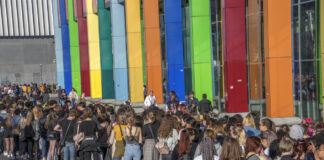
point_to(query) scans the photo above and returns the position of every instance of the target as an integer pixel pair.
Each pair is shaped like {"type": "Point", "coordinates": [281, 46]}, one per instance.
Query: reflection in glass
{"type": "Point", "coordinates": [305, 59]}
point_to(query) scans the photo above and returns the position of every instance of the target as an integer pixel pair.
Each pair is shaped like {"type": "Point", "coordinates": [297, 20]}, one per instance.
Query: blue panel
{"type": "Point", "coordinates": [119, 50]}
{"type": "Point", "coordinates": [58, 47]}
{"type": "Point", "coordinates": [66, 49]}
{"type": "Point", "coordinates": [174, 43]}
{"type": "Point", "coordinates": [121, 78]}
{"type": "Point", "coordinates": [176, 80]}
{"type": "Point", "coordinates": [117, 19]}
{"type": "Point", "coordinates": [172, 10]}
{"type": "Point", "coordinates": [174, 47]}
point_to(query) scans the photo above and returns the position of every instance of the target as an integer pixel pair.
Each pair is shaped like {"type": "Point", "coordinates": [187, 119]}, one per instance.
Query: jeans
{"type": "Point", "coordinates": [44, 147]}
{"type": "Point", "coordinates": [132, 152]}
{"type": "Point", "coordinates": [69, 151]}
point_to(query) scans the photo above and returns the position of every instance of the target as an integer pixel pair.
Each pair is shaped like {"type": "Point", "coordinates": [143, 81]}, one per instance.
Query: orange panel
{"type": "Point", "coordinates": [278, 61]}
{"type": "Point", "coordinates": [254, 33]}
{"type": "Point", "coordinates": [153, 48]}
{"type": "Point", "coordinates": [279, 92]}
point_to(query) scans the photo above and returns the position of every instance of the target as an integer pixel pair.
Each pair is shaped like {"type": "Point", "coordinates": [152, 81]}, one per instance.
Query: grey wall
{"type": "Point", "coordinates": [27, 60]}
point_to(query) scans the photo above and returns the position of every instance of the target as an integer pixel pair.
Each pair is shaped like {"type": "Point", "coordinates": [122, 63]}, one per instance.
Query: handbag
{"type": "Point", "coordinates": [120, 146]}
{"type": "Point", "coordinates": [160, 146]}
{"type": "Point", "coordinates": [78, 138]}
{"type": "Point", "coordinates": [62, 141]}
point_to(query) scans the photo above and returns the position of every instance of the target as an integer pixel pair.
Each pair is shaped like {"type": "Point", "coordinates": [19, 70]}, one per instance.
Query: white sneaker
{"type": "Point", "coordinates": [5, 153]}
{"type": "Point", "coordinates": [10, 156]}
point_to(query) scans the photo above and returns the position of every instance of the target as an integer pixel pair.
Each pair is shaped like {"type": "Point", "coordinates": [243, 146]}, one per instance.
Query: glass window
{"type": "Point", "coordinates": [305, 58]}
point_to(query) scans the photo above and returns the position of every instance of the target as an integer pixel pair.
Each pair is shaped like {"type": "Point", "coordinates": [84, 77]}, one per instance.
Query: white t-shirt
{"type": "Point", "coordinates": [149, 101]}
{"type": "Point", "coordinates": [201, 158]}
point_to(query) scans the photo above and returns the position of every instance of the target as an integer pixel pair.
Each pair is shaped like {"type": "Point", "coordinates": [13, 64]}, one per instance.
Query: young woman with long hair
{"type": "Point", "coordinates": [27, 140]}
{"type": "Point", "coordinates": [231, 150]}
{"type": "Point", "coordinates": [168, 134]}
{"type": "Point", "coordinates": [117, 138]}
{"type": "Point", "coordinates": [38, 114]}
{"type": "Point", "coordinates": [186, 148]}
{"type": "Point", "coordinates": [8, 134]}
{"type": "Point", "coordinates": [150, 131]}
{"type": "Point", "coordinates": [50, 123]}
{"type": "Point", "coordinates": [249, 126]}
{"type": "Point", "coordinates": [253, 148]}
{"type": "Point", "coordinates": [133, 139]}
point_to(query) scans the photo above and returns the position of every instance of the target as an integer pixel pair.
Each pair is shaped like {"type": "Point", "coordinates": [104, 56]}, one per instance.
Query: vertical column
{"type": "Point", "coordinates": [153, 47]}
{"type": "Point", "coordinates": [106, 58]}
{"type": "Point", "coordinates": [321, 45]}
{"type": "Point", "coordinates": [278, 58]}
{"type": "Point", "coordinates": [84, 49]}
{"type": "Point", "coordinates": [134, 46]}
{"type": "Point", "coordinates": [74, 49]}
{"type": "Point", "coordinates": [254, 49]}
{"type": "Point", "coordinates": [201, 48]}
{"type": "Point", "coordinates": [119, 50]}
{"type": "Point", "coordinates": [66, 48]}
{"type": "Point", "coordinates": [174, 47]}
{"type": "Point", "coordinates": [235, 67]}
{"type": "Point", "coordinates": [58, 45]}
{"type": "Point", "coordinates": [94, 52]}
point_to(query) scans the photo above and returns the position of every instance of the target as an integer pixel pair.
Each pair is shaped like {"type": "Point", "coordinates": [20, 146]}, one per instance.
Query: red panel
{"type": "Point", "coordinates": [236, 99]}
{"type": "Point", "coordinates": [235, 69]}
{"type": "Point", "coordinates": [84, 50]}
{"type": "Point", "coordinates": [233, 3]}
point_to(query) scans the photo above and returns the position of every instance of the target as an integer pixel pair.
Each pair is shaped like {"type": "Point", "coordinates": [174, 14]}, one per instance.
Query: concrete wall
{"type": "Point", "coordinates": [27, 60]}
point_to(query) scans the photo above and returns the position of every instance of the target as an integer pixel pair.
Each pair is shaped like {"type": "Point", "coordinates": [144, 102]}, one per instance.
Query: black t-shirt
{"type": "Point", "coordinates": [146, 130]}
{"type": "Point", "coordinates": [89, 128]}
{"type": "Point", "coordinates": [65, 125]}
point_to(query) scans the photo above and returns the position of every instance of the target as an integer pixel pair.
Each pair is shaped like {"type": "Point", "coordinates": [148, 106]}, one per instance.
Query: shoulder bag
{"type": "Point", "coordinates": [160, 146]}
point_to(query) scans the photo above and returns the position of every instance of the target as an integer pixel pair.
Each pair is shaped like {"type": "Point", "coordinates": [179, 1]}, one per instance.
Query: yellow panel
{"type": "Point", "coordinates": [94, 52]}
{"type": "Point", "coordinates": [134, 49]}
{"type": "Point", "coordinates": [133, 14]}
{"type": "Point", "coordinates": [95, 79]}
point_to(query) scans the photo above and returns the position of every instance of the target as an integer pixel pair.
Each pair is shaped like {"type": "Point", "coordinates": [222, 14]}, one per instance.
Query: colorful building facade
{"type": "Point", "coordinates": [246, 55]}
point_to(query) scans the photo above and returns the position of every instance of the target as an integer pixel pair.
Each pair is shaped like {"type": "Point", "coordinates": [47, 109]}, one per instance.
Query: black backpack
{"type": "Point", "coordinates": [29, 131]}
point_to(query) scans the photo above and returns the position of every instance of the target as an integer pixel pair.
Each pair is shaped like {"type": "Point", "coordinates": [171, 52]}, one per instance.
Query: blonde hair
{"type": "Point", "coordinates": [218, 128]}
{"type": "Point", "coordinates": [241, 135]}
{"type": "Point", "coordinates": [286, 145]}
{"type": "Point", "coordinates": [38, 113]}
{"type": "Point", "coordinates": [249, 121]}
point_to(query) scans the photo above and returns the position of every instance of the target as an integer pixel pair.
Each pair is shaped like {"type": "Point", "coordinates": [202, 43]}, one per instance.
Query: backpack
{"type": "Point", "coordinates": [29, 131]}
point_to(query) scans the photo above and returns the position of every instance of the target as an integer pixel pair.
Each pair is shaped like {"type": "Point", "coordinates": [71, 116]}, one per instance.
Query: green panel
{"type": "Point", "coordinates": [201, 48]}
{"type": "Point", "coordinates": [106, 57]}
{"type": "Point", "coordinates": [200, 39]}
{"type": "Point", "coordinates": [108, 84]}
{"type": "Point", "coordinates": [74, 48]}
{"type": "Point", "coordinates": [199, 8]}
{"type": "Point", "coordinates": [143, 47]}
{"type": "Point", "coordinates": [202, 78]}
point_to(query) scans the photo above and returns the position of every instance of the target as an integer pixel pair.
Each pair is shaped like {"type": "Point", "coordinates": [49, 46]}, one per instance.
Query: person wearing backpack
{"type": "Point", "coordinates": [168, 136]}
{"type": "Point", "coordinates": [117, 136]}
{"type": "Point", "coordinates": [27, 135]}
{"type": "Point", "coordinates": [150, 131]}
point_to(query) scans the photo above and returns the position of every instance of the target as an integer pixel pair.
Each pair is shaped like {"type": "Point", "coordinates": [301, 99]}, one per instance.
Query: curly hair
{"type": "Point", "coordinates": [166, 127]}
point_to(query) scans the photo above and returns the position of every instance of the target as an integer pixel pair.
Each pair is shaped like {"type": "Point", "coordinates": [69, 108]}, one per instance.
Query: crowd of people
{"type": "Point", "coordinates": [33, 127]}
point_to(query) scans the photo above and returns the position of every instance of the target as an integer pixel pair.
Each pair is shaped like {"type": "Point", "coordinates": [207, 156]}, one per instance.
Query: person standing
{"type": "Point", "coordinates": [73, 97]}
{"type": "Point", "coordinates": [150, 100]}
{"type": "Point", "coordinates": [205, 105]}
{"type": "Point", "coordinates": [192, 102]}
{"type": "Point", "coordinates": [66, 126]}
